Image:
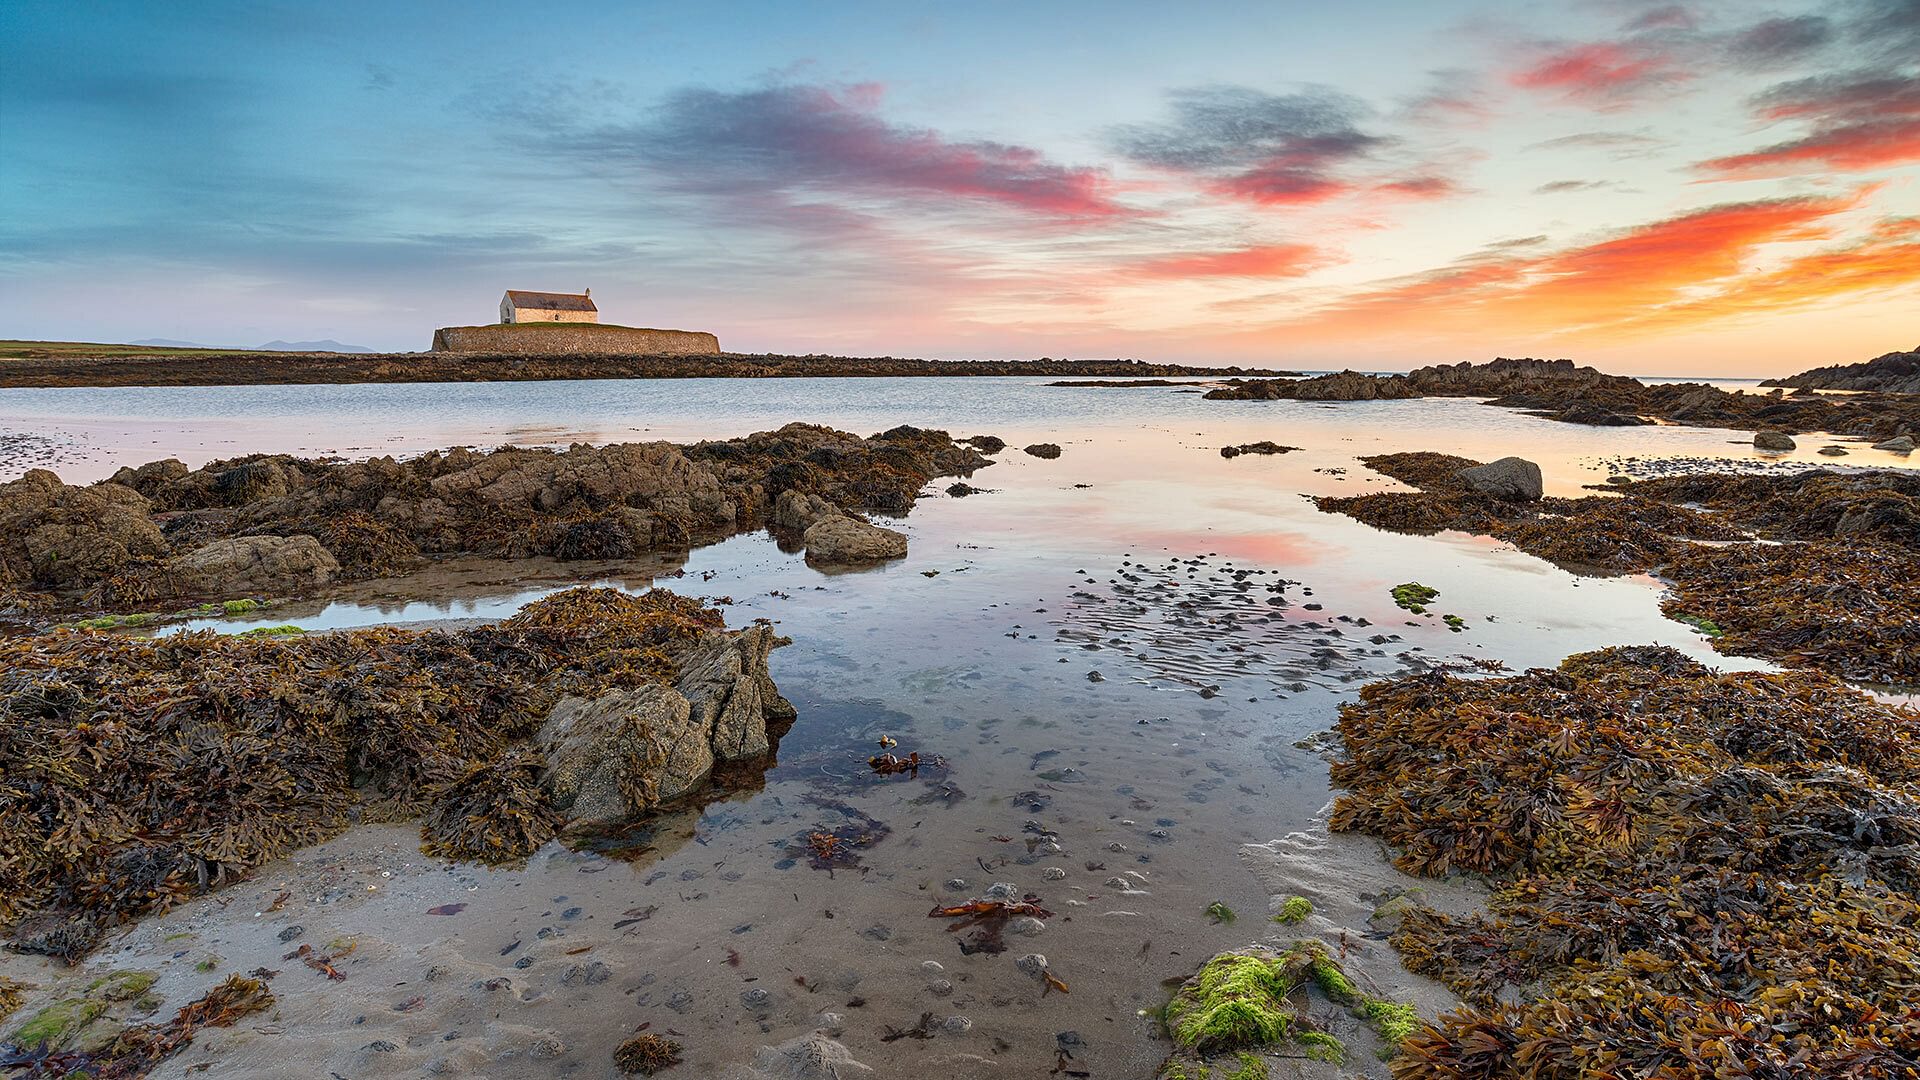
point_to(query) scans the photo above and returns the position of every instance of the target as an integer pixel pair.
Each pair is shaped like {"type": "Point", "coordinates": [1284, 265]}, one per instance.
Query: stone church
{"type": "Point", "coordinates": [519, 306]}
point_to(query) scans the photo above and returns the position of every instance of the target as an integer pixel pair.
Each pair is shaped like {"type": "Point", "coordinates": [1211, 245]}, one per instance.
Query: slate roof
{"type": "Point", "coordinates": [550, 301]}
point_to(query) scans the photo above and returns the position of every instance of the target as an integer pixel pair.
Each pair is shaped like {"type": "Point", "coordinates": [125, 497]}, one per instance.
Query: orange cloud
{"type": "Point", "coordinates": [1599, 73]}
{"type": "Point", "coordinates": [1266, 261]}
{"type": "Point", "coordinates": [1615, 282]}
{"type": "Point", "coordinates": [1875, 145]}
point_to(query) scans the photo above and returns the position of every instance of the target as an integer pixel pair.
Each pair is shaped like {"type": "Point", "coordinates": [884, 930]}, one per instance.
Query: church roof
{"type": "Point", "coordinates": [551, 301]}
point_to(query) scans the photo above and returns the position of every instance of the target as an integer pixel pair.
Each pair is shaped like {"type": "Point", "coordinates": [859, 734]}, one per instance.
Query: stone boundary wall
{"type": "Point", "coordinates": [574, 339]}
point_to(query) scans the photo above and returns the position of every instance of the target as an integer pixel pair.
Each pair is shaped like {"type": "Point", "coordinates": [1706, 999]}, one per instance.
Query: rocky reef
{"type": "Point", "coordinates": [1696, 872]}
{"type": "Point", "coordinates": [144, 771]}
{"type": "Point", "coordinates": [1894, 372]}
{"type": "Point", "coordinates": [1842, 595]}
{"type": "Point", "coordinates": [1559, 390]}
{"type": "Point", "coordinates": [162, 534]}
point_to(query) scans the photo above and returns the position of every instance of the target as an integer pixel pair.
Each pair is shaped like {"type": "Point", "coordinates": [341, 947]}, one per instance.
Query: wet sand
{"type": "Point", "coordinates": [1170, 781]}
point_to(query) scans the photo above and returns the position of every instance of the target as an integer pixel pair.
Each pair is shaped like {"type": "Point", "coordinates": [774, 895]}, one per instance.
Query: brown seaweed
{"type": "Point", "coordinates": [1693, 868]}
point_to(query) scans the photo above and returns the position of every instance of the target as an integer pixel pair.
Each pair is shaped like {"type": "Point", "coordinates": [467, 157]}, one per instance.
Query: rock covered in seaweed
{"type": "Point", "coordinates": [254, 566]}
{"type": "Point", "coordinates": [380, 516]}
{"type": "Point", "coordinates": [144, 771]}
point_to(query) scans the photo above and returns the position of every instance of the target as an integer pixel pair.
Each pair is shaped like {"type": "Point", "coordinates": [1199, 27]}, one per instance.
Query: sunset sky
{"type": "Point", "coordinates": [1662, 188]}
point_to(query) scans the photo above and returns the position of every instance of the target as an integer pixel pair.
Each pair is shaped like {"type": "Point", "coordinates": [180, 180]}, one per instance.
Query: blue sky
{"type": "Point", "coordinates": [1654, 186]}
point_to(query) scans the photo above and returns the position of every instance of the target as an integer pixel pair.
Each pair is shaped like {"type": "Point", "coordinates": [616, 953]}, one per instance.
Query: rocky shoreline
{"type": "Point", "coordinates": [1814, 569]}
{"type": "Point", "coordinates": [62, 364]}
{"type": "Point", "coordinates": [1894, 372]}
{"type": "Point", "coordinates": [1558, 390]}
{"type": "Point", "coordinates": [154, 539]}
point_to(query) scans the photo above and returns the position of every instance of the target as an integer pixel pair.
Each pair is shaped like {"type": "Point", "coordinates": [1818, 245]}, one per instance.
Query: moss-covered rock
{"type": "Point", "coordinates": [59, 1025]}
{"type": "Point", "coordinates": [121, 985]}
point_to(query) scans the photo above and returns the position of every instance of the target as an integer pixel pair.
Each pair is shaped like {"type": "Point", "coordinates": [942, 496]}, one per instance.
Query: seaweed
{"type": "Point", "coordinates": [138, 1049]}
{"type": "Point", "coordinates": [1842, 593]}
{"type": "Point", "coordinates": [1691, 867]}
{"type": "Point", "coordinates": [1254, 1001]}
{"type": "Point", "coordinates": [646, 1054]}
{"type": "Point", "coordinates": [1414, 597]}
{"type": "Point", "coordinates": [12, 994]}
{"type": "Point", "coordinates": [144, 771]}
{"type": "Point", "coordinates": [1294, 909]}
{"type": "Point", "coordinates": [1218, 913]}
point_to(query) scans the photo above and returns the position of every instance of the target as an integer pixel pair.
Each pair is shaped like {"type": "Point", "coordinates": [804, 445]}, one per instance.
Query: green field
{"type": "Point", "coordinates": [48, 350]}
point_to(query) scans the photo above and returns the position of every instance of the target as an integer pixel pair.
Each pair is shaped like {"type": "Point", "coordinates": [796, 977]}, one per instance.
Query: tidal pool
{"type": "Point", "coordinates": [1113, 655]}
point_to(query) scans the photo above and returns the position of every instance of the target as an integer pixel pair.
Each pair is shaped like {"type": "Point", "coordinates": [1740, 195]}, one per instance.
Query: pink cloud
{"type": "Point", "coordinates": [1599, 74]}
{"type": "Point", "coordinates": [1264, 261]}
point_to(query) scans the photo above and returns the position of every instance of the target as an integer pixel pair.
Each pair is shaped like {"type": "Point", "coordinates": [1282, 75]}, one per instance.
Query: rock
{"type": "Point", "coordinates": [1508, 478]}
{"type": "Point", "coordinates": [1773, 440]}
{"type": "Point", "coordinates": [1833, 451]}
{"type": "Point", "coordinates": [844, 540]}
{"type": "Point", "coordinates": [56, 536]}
{"type": "Point", "coordinates": [957, 1025]}
{"type": "Point", "coordinates": [987, 444]}
{"type": "Point", "coordinates": [625, 752]}
{"type": "Point", "coordinates": [796, 510]}
{"type": "Point", "coordinates": [1902, 444]}
{"type": "Point", "coordinates": [1032, 965]}
{"type": "Point", "coordinates": [254, 565]}
{"type": "Point", "coordinates": [962, 490]}
{"type": "Point", "coordinates": [809, 1057]}
{"type": "Point", "coordinates": [1044, 450]}
{"type": "Point", "coordinates": [1026, 926]}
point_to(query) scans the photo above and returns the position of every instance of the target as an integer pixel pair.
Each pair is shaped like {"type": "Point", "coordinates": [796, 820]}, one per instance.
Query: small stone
{"type": "Point", "coordinates": [547, 1048]}
{"type": "Point", "coordinates": [933, 967]}
{"type": "Point", "coordinates": [1026, 926]}
{"type": "Point", "coordinates": [1053, 873]}
{"type": "Point", "coordinates": [1003, 890]}
{"type": "Point", "coordinates": [292, 933]}
{"type": "Point", "coordinates": [957, 1025]}
{"type": "Point", "coordinates": [756, 998]}
{"type": "Point", "coordinates": [1033, 964]}
{"type": "Point", "coordinates": [523, 963]}
{"type": "Point", "coordinates": [957, 884]}
{"type": "Point", "coordinates": [940, 988]}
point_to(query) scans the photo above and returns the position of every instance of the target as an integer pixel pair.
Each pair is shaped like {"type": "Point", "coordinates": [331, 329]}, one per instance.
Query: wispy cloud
{"type": "Point", "coordinates": [819, 139]}
{"type": "Point", "coordinates": [1601, 74]}
{"type": "Point", "coordinates": [1265, 261]}
{"type": "Point", "coordinates": [1860, 121]}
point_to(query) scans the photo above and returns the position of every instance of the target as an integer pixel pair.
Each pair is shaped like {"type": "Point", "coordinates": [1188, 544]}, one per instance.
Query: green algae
{"type": "Point", "coordinates": [239, 607]}
{"type": "Point", "coordinates": [1219, 912]}
{"type": "Point", "coordinates": [1236, 1001]}
{"type": "Point", "coordinates": [1414, 596]}
{"type": "Point", "coordinates": [283, 630]}
{"type": "Point", "coordinates": [121, 985]}
{"type": "Point", "coordinates": [1454, 622]}
{"type": "Point", "coordinates": [1294, 909]}
{"type": "Point", "coordinates": [1251, 1068]}
{"type": "Point", "coordinates": [1393, 1021]}
{"type": "Point", "coordinates": [59, 1024]}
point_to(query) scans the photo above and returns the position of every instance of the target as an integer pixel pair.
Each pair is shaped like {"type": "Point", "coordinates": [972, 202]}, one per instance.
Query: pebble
{"type": "Point", "coordinates": [1053, 873]}
{"type": "Point", "coordinates": [1003, 890]}
{"type": "Point", "coordinates": [755, 998]}
{"type": "Point", "coordinates": [957, 1025]}
{"type": "Point", "coordinates": [940, 987]}
{"type": "Point", "coordinates": [292, 932]}
{"type": "Point", "coordinates": [933, 967]}
{"type": "Point", "coordinates": [1032, 964]}
{"type": "Point", "coordinates": [956, 884]}
{"type": "Point", "coordinates": [1026, 926]}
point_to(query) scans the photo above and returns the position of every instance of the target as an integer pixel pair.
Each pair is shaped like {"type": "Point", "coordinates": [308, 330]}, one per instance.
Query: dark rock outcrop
{"type": "Point", "coordinates": [1894, 372]}
{"type": "Point", "coordinates": [1507, 478]}
{"type": "Point", "coordinates": [283, 525]}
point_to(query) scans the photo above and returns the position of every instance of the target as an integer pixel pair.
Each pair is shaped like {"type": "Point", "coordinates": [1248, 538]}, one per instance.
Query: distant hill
{"type": "Point", "coordinates": [329, 345]}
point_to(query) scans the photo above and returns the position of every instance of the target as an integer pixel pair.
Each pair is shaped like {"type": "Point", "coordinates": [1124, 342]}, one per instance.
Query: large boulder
{"type": "Point", "coordinates": [1900, 444]}
{"type": "Point", "coordinates": [254, 565]}
{"type": "Point", "coordinates": [624, 752]}
{"type": "Point", "coordinates": [57, 536]}
{"type": "Point", "coordinates": [797, 510]}
{"type": "Point", "coordinates": [1773, 440]}
{"type": "Point", "coordinates": [845, 540]}
{"type": "Point", "coordinates": [1508, 478]}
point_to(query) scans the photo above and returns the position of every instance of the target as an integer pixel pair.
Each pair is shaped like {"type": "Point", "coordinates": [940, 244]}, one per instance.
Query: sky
{"type": "Point", "coordinates": [1692, 188]}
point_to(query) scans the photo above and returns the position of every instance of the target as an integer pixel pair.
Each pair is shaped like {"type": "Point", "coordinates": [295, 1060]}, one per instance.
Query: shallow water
{"type": "Point", "coordinates": [1118, 647]}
